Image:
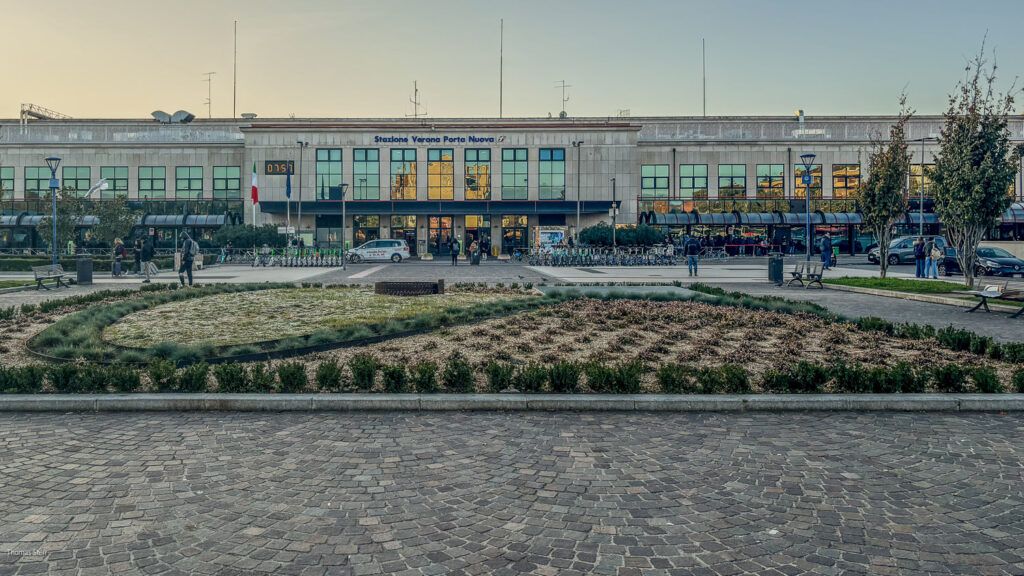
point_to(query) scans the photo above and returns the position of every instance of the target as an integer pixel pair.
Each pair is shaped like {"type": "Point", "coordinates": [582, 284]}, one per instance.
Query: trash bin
{"type": "Point", "coordinates": [775, 268]}
{"type": "Point", "coordinates": [474, 258]}
{"type": "Point", "coordinates": [84, 269]}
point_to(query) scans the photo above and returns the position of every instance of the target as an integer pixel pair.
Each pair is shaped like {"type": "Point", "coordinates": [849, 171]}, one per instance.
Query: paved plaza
{"type": "Point", "coordinates": [511, 493]}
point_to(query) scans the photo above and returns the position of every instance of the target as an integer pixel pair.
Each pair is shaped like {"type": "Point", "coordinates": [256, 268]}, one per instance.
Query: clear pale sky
{"type": "Point", "coordinates": [332, 58]}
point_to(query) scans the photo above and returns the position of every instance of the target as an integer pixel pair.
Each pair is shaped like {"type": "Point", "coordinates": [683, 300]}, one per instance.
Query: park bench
{"type": "Point", "coordinates": [49, 272]}
{"type": "Point", "coordinates": [409, 288]}
{"type": "Point", "coordinates": [806, 272]}
{"type": "Point", "coordinates": [996, 292]}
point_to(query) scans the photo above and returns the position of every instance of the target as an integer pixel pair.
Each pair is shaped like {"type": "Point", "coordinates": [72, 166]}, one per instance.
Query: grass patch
{"type": "Point", "coordinates": [898, 284]}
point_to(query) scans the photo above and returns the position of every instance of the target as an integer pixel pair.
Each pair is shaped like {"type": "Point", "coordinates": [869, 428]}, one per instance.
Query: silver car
{"type": "Point", "coordinates": [901, 250]}
{"type": "Point", "coordinates": [394, 250]}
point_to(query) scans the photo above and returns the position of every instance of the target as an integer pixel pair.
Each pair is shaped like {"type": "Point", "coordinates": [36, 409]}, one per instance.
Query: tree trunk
{"type": "Point", "coordinates": [965, 241]}
{"type": "Point", "coordinates": [883, 234]}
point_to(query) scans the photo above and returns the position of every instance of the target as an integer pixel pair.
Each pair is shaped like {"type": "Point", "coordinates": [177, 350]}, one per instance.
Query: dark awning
{"type": "Point", "coordinates": [842, 218]}
{"type": "Point", "coordinates": [8, 221]}
{"type": "Point", "coordinates": [1014, 214]}
{"type": "Point", "coordinates": [758, 218]}
{"type": "Point", "coordinates": [718, 219]}
{"type": "Point", "coordinates": [164, 220]}
{"type": "Point", "coordinates": [675, 219]}
{"type": "Point", "coordinates": [31, 220]}
{"type": "Point", "coordinates": [88, 221]}
{"type": "Point", "coordinates": [800, 218]}
{"type": "Point", "coordinates": [205, 220]}
{"type": "Point", "coordinates": [914, 218]}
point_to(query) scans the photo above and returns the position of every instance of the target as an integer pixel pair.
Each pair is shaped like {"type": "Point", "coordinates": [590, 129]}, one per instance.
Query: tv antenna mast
{"type": "Point", "coordinates": [416, 102]}
{"type": "Point", "coordinates": [561, 84]}
{"type": "Point", "coordinates": [209, 93]}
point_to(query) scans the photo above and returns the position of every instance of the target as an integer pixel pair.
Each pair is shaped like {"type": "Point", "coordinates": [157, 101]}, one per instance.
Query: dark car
{"type": "Point", "coordinates": [901, 250]}
{"type": "Point", "coordinates": [991, 262]}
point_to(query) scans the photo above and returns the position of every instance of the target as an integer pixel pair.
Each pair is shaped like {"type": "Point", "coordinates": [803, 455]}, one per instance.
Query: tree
{"type": "Point", "coordinates": [249, 235]}
{"type": "Point", "coordinates": [976, 163]}
{"type": "Point", "coordinates": [116, 220]}
{"type": "Point", "coordinates": [881, 196]}
{"type": "Point", "coordinates": [70, 210]}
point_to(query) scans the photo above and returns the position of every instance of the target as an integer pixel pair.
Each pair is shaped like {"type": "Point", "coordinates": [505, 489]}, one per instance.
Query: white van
{"type": "Point", "coordinates": [394, 250]}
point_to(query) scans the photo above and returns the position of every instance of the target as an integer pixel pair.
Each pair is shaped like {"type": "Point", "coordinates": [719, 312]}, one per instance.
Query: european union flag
{"type": "Point", "coordinates": [288, 184]}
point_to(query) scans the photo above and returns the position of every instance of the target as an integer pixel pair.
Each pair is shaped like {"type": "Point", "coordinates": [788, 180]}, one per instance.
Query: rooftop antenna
{"type": "Point", "coordinates": [416, 102]}
{"type": "Point", "coordinates": [501, 67]}
{"type": "Point", "coordinates": [565, 98]}
{"type": "Point", "coordinates": [209, 93]}
{"type": "Point", "coordinates": [704, 75]}
{"type": "Point", "coordinates": [234, 76]}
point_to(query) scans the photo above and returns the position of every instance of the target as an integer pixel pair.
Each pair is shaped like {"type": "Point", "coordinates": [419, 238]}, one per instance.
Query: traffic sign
{"type": "Point", "coordinates": [806, 178]}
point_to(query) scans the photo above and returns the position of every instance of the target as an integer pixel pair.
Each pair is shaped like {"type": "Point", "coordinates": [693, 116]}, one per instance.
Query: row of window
{"type": "Point", "coordinates": [441, 173]}
{"type": "Point", "coordinates": [409, 222]}
{"type": "Point", "coordinates": [188, 181]}
{"type": "Point", "coordinates": [732, 181]}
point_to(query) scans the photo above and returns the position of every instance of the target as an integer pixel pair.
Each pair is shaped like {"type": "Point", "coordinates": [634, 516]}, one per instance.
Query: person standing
{"type": "Point", "coordinates": [933, 254]}
{"type": "Point", "coordinates": [826, 251]}
{"type": "Point", "coordinates": [147, 257]}
{"type": "Point", "coordinates": [189, 251]}
{"type": "Point", "coordinates": [119, 254]}
{"type": "Point", "coordinates": [455, 250]}
{"type": "Point", "coordinates": [919, 258]}
{"type": "Point", "coordinates": [691, 249]}
{"type": "Point", "coordinates": [137, 253]}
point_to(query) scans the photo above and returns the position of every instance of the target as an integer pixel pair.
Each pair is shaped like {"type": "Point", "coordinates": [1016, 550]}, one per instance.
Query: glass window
{"type": "Point", "coordinates": [117, 181]}
{"type": "Point", "coordinates": [478, 221]}
{"type": "Point", "coordinates": [37, 182]}
{"type": "Point", "coordinates": [514, 177]}
{"type": "Point", "coordinates": [328, 171]}
{"type": "Point", "coordinates": [693, 181]}
{"type": "Point", "coordinates": [365, 228]}
{"type": "Point", "coordinates": [403, 173]}
{"type": "Point", "coordinates": [551, 174]}
{"type": "Point", "coordinates": [799, 189]}
{"type": "Point", "coordinates": [188, 182]}
{"type": "Point", "coordinates": [366, 174]}
{"type": "Point", "coordinates": [403, 222]}
{"type": "Point", "coordinates": [654, 181]}
{"type": "Point", "coordinates": [846, 180]}
{"type": "Point", "coordinates": [440, 174]}
{"type": "Point", "coordinates": [76, 178]}
{"type": "Point", "coordinates": [770, 181]}
{"type": "Point", "coordinates": [227, 182]}
{"type": "Point", "coordinates": [6, 182]}
{"type": "Point", "coordinates": [478, 174]}
{"type": "Point", "coordinates": [732, 180]}
{"type": "Point", "coordinates": [513, 232]}
{"type": "Point", "coordinates": [152, 182]}
{"type": "Point", "coordinates": [915, 179]}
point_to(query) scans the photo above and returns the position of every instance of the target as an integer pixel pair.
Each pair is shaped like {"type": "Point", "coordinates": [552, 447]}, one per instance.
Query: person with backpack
{"type": "Point", "coordinates": [147, 258]}
{"type": "Point", "coordinates": [919, 258]}
{"type": "Point", "coordinates": [691, 249]}
{"type": "Point", "coordinates": [119, 254]}
{"type": "Point", "coordinates": [932, 256]}
{"type": "Point", "coordinates": [137, 252]}
{"type": "Point", "coordinates": [189, 252]}
{"type": "Point", "coordinates": [455, 250]}
{"type": "Point", "coordinates": [826, 251]}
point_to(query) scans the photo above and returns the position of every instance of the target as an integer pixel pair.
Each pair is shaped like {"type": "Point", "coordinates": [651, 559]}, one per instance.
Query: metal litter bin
{"type": "Point", "coordinates": [474, 257]}
{"type": "Point", "coordinates": [775, 268]}
{"type": "Point", "coordinates": [84, 271]}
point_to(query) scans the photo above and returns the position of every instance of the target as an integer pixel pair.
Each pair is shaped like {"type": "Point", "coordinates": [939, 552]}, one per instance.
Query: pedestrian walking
{"type": "Point", "coordinates": [934, 255]}
{"type": "Point", "coordinates": [147, 258]}
{"type": "Point", "coordinates": [826, 251]}
{"type": "Point", "coordinates": [189, 252]}
{"type": "Point", "coordinates": [691, 249]}
{"type": "Point", "coordinates": [919, 258]}
{"type": "Point", "coordinates": [455, 250]}
{"type": "Point", "coordinates": [137, 252]}
{"type": "Point", "coordinates": [119, 253]}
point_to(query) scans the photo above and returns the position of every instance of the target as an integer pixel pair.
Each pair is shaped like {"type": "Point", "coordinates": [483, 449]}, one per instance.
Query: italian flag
{"type": "Point", "coordinates": [255, 191]}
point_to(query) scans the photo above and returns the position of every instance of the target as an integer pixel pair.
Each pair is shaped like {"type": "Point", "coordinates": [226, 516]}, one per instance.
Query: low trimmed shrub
{"type": "Point", "coordinates": [424, 377]}
{"type": "Point", "coordinates": [291, 378]}
{"type": "Point", "coordinates": [850, 378]}
{"type": "Point", "coordinates": [162, 375]}
{"type": "Point", "coordinates": [600, 377]}
{"type": "Point", "coordinates": [531, 378]}
{"type": "Point", "coordinates": [724, 379]}
{"type": "Point", "coordinates": [951, 378]}
{"type": "Point", "coordinates": [980, 344]}
{"type": "Point", "coordinates": [364, 370]}
{"type": "Point", "coordinates": [1018, 381]}
{"type": "Point", "coordinates": [907, 379]}
{"type": "Point", "coordinates": [395, 378]}
{"type": "Point", "coordinates": [1013, 353]}
{"type": "Point", "coordinates": [457, 376]}
{"type": "Point", "coordinates": [23, 380]}
{"type": "Point", "coordinates": [800, 378]}
{"type": "Point", "coordinates": [193, 378]}
{"type": "Point", "coordinates": [564, 377]}
{"type": "Point", "coordinates": [123, 378]}
{"type": "Point", "coordinates": [72, 378]}
{"type": "Point", "coordinates": [28, 308]}
{"type": "Point", "coordinates": [876, 324]}
{"type": "Point", "coordinates": [261, 377]}
{"type": "Point", "coordinates": [500, 376]}
{"type": "Point", "coordinates": [8, 313]}
{"type": "Point", "coordinates": [986, 381]}
{"type": "Point", "coordinates": [956, 339]}
{"type": "Point", "coordinates": [328, 375]}
{"type": "Point", "coordinates": [231, 377]}
{"type": "Point", "coordinates": [676, 378]}
{"type": "Point", "coordinates": [627, 376]}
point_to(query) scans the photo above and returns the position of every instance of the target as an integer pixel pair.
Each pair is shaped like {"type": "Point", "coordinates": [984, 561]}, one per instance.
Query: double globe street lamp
{"type": "Point", "coordinates": [808, 161]}
{"type": "Point", "coordinates": [53, 163]}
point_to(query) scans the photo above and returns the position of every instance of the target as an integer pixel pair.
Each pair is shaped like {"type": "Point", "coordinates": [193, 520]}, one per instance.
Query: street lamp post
{"type": "Point", "coordinates": [808, 161]}
{"type": "Point", "coordinates": [579, 151]}
{"type": "Point", "coordinates": [344, 252]}
{"type": "Point", "coordinates": [52, 163]}
{"type": "Point", "coordinates": [302, 145]}
{"type": "Point", "coordinates": [614, 210]}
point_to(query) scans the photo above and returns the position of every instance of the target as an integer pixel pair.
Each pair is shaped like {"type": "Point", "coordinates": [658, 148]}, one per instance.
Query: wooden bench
{"type": "Point", "coordinates": [49, 272]}
{"type": "Point", "coordinates": [809, 272]}
{"type": "Point", "coordinates": [409, 288]}
{"type": "Point", "coordinates": [996, 292]}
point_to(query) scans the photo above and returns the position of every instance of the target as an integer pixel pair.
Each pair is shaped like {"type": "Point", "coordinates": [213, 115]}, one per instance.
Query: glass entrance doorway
{"type": "Point", "coordinates": [439, 234]}
{"type": "Point", "coordinates": [478, 228]}
{"type": "Point", "coordinates": [404, 228]}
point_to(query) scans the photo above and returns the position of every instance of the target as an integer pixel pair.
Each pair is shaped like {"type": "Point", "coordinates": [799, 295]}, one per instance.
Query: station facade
{"type": "Point", "coordinates": [501, 180]}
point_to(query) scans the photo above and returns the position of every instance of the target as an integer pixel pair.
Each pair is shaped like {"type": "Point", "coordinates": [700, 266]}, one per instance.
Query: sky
{"type": "Point", "coordinates": [356, 59]}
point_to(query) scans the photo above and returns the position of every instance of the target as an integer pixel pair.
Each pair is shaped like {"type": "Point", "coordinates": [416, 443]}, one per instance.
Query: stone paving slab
{"type": "Point", "coordinates": [512, 493]}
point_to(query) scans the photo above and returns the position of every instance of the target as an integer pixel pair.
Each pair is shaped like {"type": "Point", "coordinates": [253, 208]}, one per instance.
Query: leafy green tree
{"type": "Point", "coordinates": [116, 220]}
{"type": "Point", "coordinates": [976, 163]}
{"type": "Point", "coordinates": [70, 209]}
{"type": "Point", "coordinates": [881, 196]}
{"type": "Point", "coordinates": [249, 236]}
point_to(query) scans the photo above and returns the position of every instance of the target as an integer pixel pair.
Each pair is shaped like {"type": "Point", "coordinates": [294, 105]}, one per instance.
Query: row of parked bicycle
{"type": "Point", "coordinates": [629, 256]}
{"type": "Point", "coordinates": [286, 257]}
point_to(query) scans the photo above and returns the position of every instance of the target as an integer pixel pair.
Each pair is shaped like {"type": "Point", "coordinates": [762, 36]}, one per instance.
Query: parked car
{"type": "Point", "coordinates": [394, 250]}
{"type": "Point", "coordinates": [991, 262]}
{"type": "Point", "coordinates": [901, 250]}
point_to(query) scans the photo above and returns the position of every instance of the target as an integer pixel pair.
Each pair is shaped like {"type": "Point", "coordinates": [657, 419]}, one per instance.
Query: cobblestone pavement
{"type": "Point", "coordinates": [997, 325]}
{"type": "Point", "coordinates": [498, 493]}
